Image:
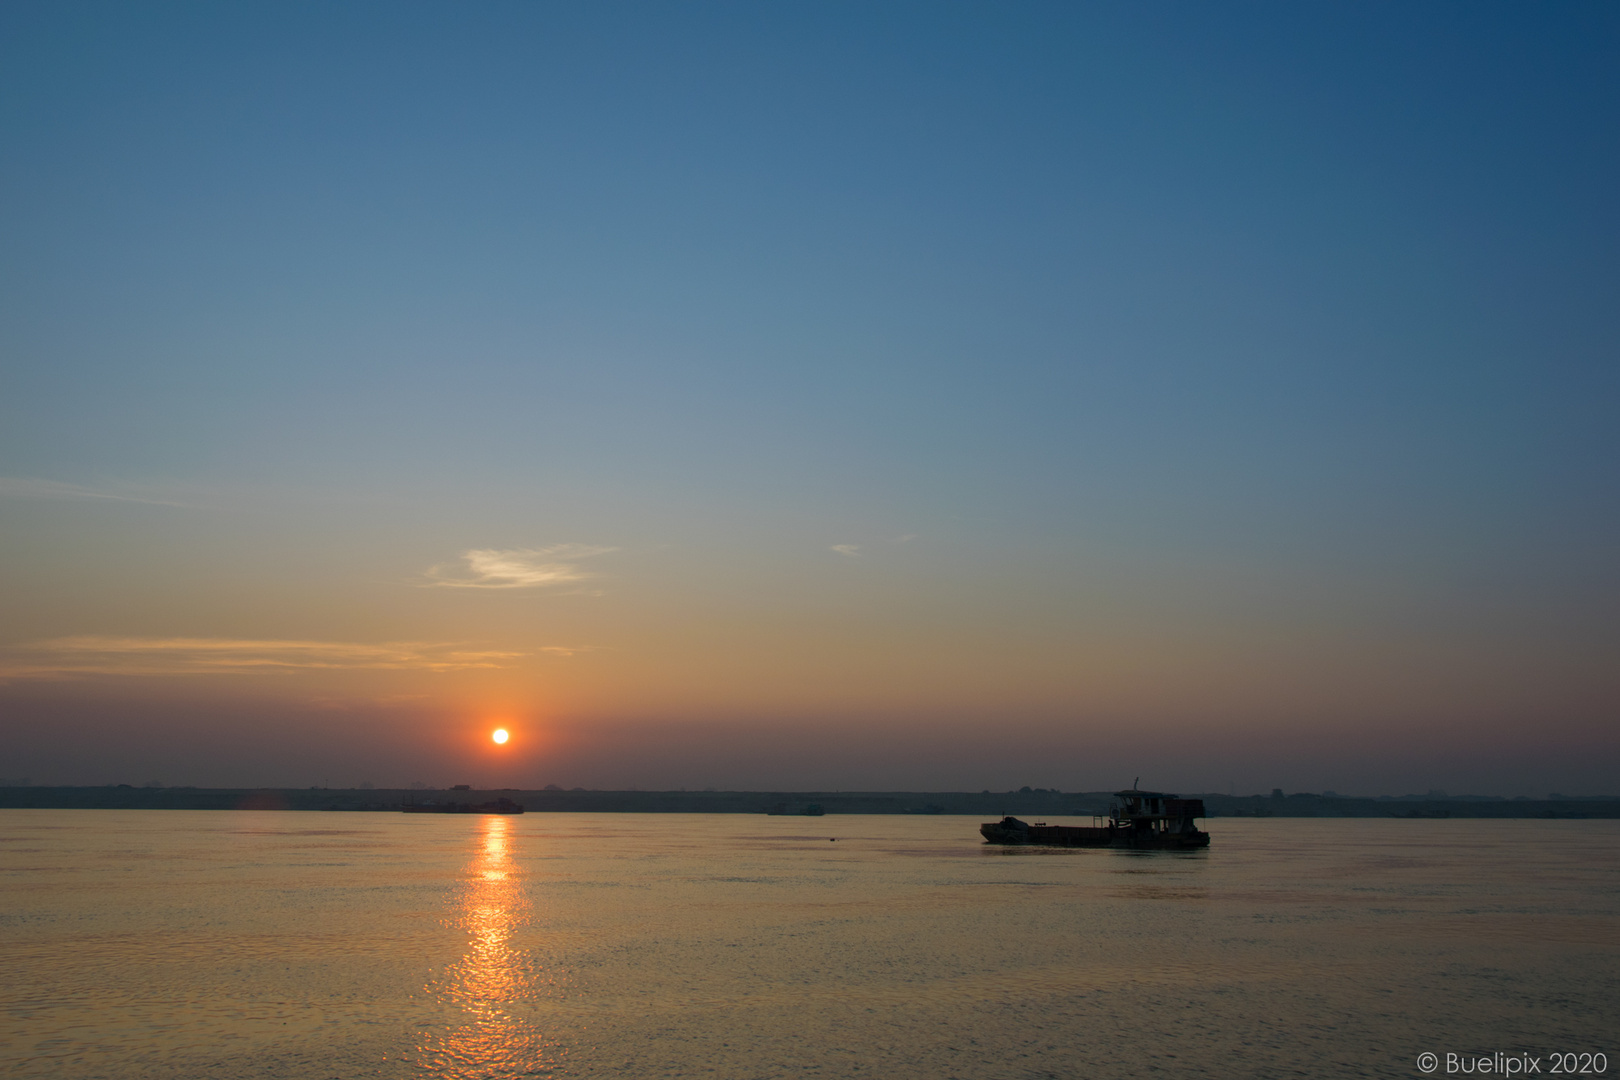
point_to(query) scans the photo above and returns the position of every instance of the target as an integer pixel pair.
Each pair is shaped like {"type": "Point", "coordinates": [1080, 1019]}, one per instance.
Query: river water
{"type": "Point", "coordinates": [316, 945]}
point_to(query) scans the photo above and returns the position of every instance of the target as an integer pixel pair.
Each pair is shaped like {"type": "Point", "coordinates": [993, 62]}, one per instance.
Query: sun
{"type": "Point", "coordinates": [500, 736]}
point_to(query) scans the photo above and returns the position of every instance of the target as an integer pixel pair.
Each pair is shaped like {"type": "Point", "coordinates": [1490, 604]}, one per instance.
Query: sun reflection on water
{"type": "Point", "coordinates": [497, 981]}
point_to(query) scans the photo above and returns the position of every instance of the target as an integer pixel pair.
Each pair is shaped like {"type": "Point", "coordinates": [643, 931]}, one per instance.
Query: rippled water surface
{"type": "Point", "coordinates": [315, 945]}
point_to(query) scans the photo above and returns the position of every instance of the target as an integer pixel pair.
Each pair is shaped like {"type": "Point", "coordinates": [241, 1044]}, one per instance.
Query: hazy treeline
{"type": "Point", "coordinates": [1031, 803]}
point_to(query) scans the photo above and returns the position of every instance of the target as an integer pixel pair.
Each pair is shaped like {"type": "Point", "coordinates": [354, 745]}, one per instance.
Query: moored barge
{"type": "Point", "coordinates": [502, 805]}
{"type": "Point", "coordinates": [1137, 819]}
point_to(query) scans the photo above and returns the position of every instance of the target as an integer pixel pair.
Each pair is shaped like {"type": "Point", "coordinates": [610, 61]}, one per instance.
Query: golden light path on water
{"type": "Point", "coordinates": [497, 981]}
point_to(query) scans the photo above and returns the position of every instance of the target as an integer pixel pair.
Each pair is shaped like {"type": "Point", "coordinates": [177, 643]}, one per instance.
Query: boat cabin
{"type": "Point", "coordinates": [1154, 813]}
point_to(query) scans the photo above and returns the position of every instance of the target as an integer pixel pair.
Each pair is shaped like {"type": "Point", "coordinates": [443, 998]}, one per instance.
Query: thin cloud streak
{"type": "Point", "coordinates": [853, 551]}
{"type": "Point", "coordinates": [23, 487]}
{"type": "Point", "coordinates": [92, 655]}
{"type": "Point", "coordinates": [517, 568]}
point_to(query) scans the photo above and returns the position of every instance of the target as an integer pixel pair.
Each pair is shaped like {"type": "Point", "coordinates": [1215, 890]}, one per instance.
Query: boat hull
{"type": "Point", "coordinates": [1075, 836]}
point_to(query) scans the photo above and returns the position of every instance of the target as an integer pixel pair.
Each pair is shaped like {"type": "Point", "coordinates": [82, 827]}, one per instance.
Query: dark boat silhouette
{"type": "Point", "coordinates": [1137, 819]}
{"type": "Point", "coordinates": [781, 810]}
{"type": "Point", "coordinates": [502, 805]}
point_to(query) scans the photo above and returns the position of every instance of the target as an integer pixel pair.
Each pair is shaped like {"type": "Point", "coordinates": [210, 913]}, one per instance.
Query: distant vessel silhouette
{"type": "Point", "coordinates": [1137, 819]}
{"type": "Point", "coordinates": [781, 810]}
{"type": "Point", "coordinates": [503, 805]}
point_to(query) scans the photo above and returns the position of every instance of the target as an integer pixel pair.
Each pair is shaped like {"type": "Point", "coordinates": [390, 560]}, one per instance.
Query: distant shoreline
{"type": "Point", "coordinates": [978, 804]}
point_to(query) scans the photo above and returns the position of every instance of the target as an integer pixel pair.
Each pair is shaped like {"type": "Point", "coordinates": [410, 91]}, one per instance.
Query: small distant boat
{"type": "Point", "coordinates": [1137, 819]}
{"type": "Point", "coordinates": [502, 805]}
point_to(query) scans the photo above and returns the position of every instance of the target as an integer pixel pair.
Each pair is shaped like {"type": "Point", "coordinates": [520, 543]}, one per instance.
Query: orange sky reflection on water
{"type": "Point", "coordinates": [497, 981]}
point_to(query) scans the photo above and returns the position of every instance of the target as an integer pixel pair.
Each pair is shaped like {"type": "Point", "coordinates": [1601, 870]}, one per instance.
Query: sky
{"type": "Point", "coordinates": [811, 396]}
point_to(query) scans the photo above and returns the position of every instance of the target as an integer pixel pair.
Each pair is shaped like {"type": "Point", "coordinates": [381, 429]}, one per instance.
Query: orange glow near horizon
{"type": "Point", "coordinates": [500, 736]}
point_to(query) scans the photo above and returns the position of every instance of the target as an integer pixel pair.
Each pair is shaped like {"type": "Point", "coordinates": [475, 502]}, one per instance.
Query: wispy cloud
{"type": "Point", "coordinates": [88, 655]}
{"type": "Point", "coordinates": [22, 487]}
{"type": "Point", "coordinates": [517, 568]}
{"type": "Point", "coordinates": [565, 650]}
{"type": "Point", "coordinates": [851, 550]}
